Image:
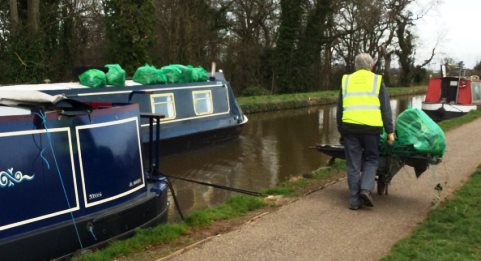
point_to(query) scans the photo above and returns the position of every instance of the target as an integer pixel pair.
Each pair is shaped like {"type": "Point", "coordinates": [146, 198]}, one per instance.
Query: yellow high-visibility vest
{"type": "Point", "coordinates": [360, 98]}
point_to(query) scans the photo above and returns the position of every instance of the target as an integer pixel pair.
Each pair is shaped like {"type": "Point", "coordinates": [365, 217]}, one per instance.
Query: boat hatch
{"type": "Point", "coordinates": [449, 89]}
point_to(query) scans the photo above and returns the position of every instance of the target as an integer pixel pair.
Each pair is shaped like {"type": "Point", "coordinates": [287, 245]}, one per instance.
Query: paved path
{"type": "Point", "coordinates": [321, 227]}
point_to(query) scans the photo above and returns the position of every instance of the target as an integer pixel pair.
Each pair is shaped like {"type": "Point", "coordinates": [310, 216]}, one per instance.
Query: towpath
{"type": "Point", "coordinates": [321, 227]}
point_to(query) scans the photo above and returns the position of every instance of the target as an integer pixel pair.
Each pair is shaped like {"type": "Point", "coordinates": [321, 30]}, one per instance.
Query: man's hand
{"type": "Point", "coordinates": [390, 138]}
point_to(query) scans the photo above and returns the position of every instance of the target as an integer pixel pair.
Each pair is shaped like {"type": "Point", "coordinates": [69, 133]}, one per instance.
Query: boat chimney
{"type": "Point", "coordinates": [212, 72]}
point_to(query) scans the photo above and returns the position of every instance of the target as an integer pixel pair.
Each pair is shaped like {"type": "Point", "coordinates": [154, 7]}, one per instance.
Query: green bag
{"type": "Point", "coordinates": [115, 75]}
{"type": "Point", "coordinates": [146, 74]}
{"type": "Point", "coordinates": [199, 74]}
{"type": "Point", "coordinates": [178, 73]}
{"type": "Point", "coordinates": [416, 133]}
{"type": "Point", "coordinates": [172, 73]}
{"type": "Point", "coordinates": [93, 78]}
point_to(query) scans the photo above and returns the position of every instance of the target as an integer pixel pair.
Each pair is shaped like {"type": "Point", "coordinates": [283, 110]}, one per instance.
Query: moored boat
{"type": "Point", "coordinates": [451, 96]}
{"type": "Point", "coordinates": [72, 176]}
{"type": "Point", "coordinates": [196, 114]}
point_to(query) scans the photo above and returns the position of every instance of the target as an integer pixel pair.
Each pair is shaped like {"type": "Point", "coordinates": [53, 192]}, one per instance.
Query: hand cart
{"type": "Point", "coordinates": [390, 162]}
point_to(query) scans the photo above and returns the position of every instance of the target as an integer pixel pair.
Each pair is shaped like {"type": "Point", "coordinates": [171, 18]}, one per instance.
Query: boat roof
{"type": "Point", "coordinates": [56, 86]}
{"type": "Point", "coordinates": [219, 76]}
{"type": "Point", "coordinates": [473, 78]}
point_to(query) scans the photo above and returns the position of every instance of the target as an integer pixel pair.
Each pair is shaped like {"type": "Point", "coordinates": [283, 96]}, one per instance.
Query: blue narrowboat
{"type": "Point", "coordinates": [196, 114]}
{"type": "Point", "coordinates": [72, 176]}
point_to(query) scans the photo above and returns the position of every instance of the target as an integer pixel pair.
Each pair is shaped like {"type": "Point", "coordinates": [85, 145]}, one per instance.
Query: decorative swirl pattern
{"type": "Point", "coordinates": [9, 179]}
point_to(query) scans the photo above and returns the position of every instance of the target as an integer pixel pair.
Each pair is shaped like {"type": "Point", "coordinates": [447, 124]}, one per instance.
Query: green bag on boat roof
{"type": "Point", "coordinates": [115, 75]}
{"type": "Point", "coordinates": [178, 73]}
{"type": "Point", "coordinates": [93, 78]}
{"type": "Point", "coordinates": [199, 74]}
{"type": "Point", "coordinates": [146, 74]}
{"type": "Point", "coordinates": [172, 73]}
{"type": "Point", "coordinates": [416, 133]}
{"type": "Point", "coordinates": [186, 73]}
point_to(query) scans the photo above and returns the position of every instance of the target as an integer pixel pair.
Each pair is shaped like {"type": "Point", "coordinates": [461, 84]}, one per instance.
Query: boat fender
{"type": "Point", "coordinates": [160, 185]}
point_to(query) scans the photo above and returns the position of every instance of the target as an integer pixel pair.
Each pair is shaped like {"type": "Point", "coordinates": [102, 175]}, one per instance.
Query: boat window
{"type": "Point", "coordinates": [163, 104]}
{"type": "Point", "coordinates": [476, 89]}
{"type": "Point", "coordinates": [202, 102]}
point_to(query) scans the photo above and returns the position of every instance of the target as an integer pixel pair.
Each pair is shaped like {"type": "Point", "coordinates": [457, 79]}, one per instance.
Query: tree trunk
{"type": "Point", "coordinates": [33, 15]}
{"type": "Point", "coordinates": [14, 16]}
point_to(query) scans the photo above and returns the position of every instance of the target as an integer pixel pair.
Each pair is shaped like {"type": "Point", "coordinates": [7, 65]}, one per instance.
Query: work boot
{"type": "Point", "coordinates": [354, 207]}
{"type": "Point", "coordinates": [366, 198]}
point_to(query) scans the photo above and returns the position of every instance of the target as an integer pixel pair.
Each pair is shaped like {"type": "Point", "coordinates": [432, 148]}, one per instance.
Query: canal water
{"type": "Point", "coordinates": [272, 148]}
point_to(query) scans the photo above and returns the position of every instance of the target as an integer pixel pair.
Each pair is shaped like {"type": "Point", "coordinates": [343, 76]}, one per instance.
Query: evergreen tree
{"type": "Point", "coordinates": [24, 58]}
{"type": "Point", "coordinates": [291, 14]}
{"type": "Point", "coordinates": [310, 45]}
{"type": "Point", "coordinates": [130, 33]}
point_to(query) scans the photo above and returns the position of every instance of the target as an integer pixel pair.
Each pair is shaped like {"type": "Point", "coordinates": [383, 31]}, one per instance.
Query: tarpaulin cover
{"type": "Point", "coordinates": [93, 78]}
{"type": "Point", "coordinates": [146, 74]}
{"type": "Point", "coordinates": [115, 75]}
{"type": "Point", "coordinates": [416, 133]}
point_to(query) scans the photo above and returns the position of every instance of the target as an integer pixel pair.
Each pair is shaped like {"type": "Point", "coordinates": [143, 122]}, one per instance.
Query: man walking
{"type": "Point", "coordinates": [363, 110]}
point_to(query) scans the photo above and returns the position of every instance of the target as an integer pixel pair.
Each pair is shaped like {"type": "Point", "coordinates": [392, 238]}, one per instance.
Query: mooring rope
{"type": "Point", "coordinates": [243, 191]}
{"type": "Point", "coordinates": [49, 138]}
{"type": "Point", "coordinates": [44, 159]}
{"type": "Point", "coordinates": [174, 196]}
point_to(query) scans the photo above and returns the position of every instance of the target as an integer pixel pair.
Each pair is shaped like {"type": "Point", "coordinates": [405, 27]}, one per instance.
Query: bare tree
{"type": "Point", "coordinates": [251, 26]}
{"type": "Point", "coordinates": [364, 26]}
{"type": "Point", "coordinates": [188, 31]}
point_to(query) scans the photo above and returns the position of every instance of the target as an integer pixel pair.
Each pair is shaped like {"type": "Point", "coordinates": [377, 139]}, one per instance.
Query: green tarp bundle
{"type": "Point", "coordinates": [116, 75]}
{"type": "Point", "coordinates": [147, 74]}
{"type": "Point", "coordinates": [93, 78]}
{"type": "Point", "coordinates": [416, 133]}
{"type": "Point", "coordinates": [177, 73]}
{"type": "Point", "coordinates": [171, 73]}
{"type": "Point", "coordinates": [174, 73]}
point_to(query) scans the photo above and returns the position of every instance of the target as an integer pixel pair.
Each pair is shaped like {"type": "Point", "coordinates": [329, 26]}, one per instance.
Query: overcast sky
{"type": "Point", "coordinates": [457, 25]}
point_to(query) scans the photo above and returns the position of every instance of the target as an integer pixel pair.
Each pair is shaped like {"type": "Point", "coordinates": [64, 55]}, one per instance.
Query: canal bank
{"type": "Point", "coordinates": [266, 103]}
{"type": "Point", "coordinates": [321, 227]}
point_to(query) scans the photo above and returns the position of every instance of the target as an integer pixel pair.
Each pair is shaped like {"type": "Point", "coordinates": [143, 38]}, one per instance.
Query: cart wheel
{"type": "Point", "coordinates": [381, 187]}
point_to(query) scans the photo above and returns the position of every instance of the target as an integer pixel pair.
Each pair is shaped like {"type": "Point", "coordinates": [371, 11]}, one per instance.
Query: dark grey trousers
{"type": "Point", "coordinates": [362, 155]}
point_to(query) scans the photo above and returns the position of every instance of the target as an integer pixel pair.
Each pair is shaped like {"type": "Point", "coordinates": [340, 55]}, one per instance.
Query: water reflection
{"type": "Point", "coordinates": [271, 148]}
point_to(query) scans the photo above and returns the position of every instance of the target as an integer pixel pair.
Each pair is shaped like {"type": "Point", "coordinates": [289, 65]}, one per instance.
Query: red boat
{"type": "Point", "coordinates": [451, 96]}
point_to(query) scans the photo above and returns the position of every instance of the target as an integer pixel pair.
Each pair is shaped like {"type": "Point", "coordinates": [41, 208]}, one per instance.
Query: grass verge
{"type": "Point", "coordinates": [167, 233]}
{"type": "Point", "coordinates": [450, 232]}
{"type": "Point", "coordinates": [458, 121]}
{"type": "Point", "coordinates": [298, 186]}
{"type": "Point", "coordinates": [264, 103]}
